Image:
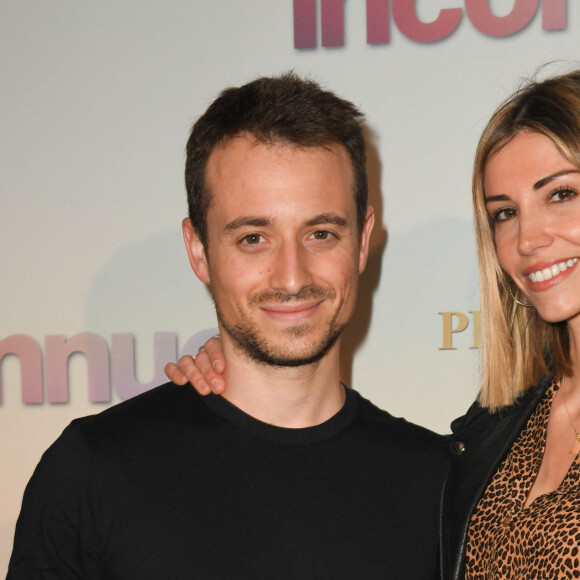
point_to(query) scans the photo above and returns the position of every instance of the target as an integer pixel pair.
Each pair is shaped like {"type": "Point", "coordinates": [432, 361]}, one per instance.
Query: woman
{"type": "Point", "coordinates": [511, 504]}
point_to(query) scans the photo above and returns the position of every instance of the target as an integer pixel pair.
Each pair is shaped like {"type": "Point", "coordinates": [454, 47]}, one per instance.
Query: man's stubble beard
{"type": "Point", "coordinates": [247, 339]}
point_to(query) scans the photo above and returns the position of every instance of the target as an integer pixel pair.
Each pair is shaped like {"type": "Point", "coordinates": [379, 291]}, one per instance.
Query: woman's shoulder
{"type": "Point", "coordinates": [479, 420]}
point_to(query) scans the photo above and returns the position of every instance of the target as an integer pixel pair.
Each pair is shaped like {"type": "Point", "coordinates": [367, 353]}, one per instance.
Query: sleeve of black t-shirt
{"type": "Point", "coordinates": [55, 534]}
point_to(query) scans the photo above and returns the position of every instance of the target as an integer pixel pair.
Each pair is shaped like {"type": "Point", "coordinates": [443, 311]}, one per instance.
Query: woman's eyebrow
{"type": "Point", "coordinates": [539, 184]}
{"type": "Point", "coordinates": [496, 198]}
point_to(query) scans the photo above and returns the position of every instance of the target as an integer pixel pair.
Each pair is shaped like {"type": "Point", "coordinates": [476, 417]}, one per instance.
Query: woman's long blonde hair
{"type": "Point", "coordinates": [518, 347]}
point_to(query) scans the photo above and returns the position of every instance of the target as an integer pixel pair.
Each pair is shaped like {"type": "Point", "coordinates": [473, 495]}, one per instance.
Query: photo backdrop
{"type": "Point", "coordinates": [97, 102]}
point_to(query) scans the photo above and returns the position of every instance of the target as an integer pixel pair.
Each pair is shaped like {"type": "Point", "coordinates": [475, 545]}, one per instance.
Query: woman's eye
{"type": "Point", "coordinates": [505, 214]}
{"type": "Point", "coordinates": [564, 194]}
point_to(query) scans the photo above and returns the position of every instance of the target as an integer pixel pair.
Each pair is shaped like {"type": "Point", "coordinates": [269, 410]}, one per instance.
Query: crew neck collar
{"type": "Point", "coordinates": [290, 436]}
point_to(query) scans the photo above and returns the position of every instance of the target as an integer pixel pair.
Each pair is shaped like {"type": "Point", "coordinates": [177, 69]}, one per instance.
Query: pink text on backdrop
{"type": "Point", "coordinates": [103, 368]}
{"type": "Point", "coordinates": [405, 17]}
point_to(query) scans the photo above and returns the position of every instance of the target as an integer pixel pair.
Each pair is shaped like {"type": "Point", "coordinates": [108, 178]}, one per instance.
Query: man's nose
{"type": "Point", "coordinates": [291, 270]}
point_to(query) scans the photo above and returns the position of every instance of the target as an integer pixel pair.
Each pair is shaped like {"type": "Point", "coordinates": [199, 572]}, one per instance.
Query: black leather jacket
{"type": "Point", "coordinates": [479, 442]}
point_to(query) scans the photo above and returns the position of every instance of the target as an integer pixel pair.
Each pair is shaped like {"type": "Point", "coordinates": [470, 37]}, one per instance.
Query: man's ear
{"type": "Point", "coordinates": [195, 251]}
{"type": "Point", "coordinates": [365, 239]}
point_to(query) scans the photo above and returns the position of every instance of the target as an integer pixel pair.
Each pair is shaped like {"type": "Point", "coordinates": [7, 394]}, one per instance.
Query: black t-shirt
{"type": "Point", "coordinates": [171, 485]}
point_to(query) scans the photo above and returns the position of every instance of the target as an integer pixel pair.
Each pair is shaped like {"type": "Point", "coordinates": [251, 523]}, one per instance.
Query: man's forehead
{"type": "Point", "coordinates": [249, 141]}
{"type": "Point", "coordinates": [280, 183]}
{"type": "Point", "coordinates": [247, 158]}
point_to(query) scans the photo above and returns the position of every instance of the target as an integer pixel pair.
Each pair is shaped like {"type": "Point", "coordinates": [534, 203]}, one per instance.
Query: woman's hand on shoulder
{"type": "Point", "coordinates": [204, 370]}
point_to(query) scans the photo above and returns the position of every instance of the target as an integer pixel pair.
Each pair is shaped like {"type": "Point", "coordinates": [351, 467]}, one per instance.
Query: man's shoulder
{"type": "Point", "coordinates": [399, 434]}
{"type": "Point", "coordinates": [407, 453]}
{"type": "Point", "coordinates": [150, 412]}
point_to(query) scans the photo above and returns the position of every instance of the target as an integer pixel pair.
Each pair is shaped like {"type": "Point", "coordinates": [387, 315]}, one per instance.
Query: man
{"type": "Point", "coordinates": [289, 474]}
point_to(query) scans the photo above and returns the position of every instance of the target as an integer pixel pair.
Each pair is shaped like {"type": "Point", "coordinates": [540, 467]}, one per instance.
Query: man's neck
{"type": "Point", "coordinates": [291, 397]}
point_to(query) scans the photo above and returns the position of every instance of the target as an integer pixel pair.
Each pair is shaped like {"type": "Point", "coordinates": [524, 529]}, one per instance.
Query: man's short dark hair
{"type": "Point", "coordinates": [286, 110]}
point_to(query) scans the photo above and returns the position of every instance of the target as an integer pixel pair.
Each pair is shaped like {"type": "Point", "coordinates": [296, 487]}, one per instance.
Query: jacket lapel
{"type": "Point", "coordinates": [486, 439]}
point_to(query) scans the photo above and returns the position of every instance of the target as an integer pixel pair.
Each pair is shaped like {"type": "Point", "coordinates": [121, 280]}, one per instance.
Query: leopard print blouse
{"type": "Point", "coordinates": [542, 541]}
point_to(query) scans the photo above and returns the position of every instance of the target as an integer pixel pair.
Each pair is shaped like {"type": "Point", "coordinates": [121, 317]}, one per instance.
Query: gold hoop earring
{"type": "Point", "coordinates": [524, 304]}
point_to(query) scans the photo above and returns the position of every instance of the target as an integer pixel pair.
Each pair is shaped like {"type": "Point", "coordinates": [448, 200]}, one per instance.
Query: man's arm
{"type": "Point", "coordinates": [55, 534]}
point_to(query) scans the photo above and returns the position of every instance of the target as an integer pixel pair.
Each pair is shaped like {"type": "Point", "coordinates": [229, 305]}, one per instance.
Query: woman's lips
{"type": "Point", "coordinates": [546, 274]}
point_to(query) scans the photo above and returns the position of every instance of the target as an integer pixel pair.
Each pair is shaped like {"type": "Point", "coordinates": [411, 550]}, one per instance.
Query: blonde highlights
{"type": "Point", "coordinates": [517, 346]}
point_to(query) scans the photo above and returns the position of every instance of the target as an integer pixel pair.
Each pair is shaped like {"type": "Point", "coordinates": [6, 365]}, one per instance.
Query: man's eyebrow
{"type": "Point", "coordinates": [244, 221]}
{"type": "Point", "coordinates": [549, 178]}
{"type": "Point", "coordinates": [254, 221]}
{"type": "Point", "coordinates": [328, 218]}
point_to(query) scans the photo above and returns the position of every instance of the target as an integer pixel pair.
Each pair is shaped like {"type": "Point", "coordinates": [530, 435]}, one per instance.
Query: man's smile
{"type": "Point", "coordinates": [289, 312]}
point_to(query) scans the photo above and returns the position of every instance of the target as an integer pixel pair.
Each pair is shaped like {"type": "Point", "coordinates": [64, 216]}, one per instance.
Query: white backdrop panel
{"type": "Point", "coordinates": [97, 100]}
